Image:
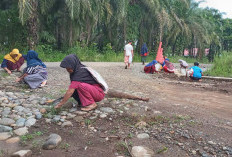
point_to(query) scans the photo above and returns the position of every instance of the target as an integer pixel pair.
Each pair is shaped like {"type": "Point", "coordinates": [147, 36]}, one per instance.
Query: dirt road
{"type": "Point", "coordinates": [182, 118]}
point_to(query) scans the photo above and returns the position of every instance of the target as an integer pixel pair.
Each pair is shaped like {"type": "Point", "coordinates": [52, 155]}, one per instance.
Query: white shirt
{"type": "Point", "coordinates": [128, 48]}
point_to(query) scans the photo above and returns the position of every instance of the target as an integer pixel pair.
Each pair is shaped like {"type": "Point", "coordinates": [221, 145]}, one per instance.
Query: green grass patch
{"type": "Point", "coordinates": [29, 137]}
{"type": "Point", "coordinates": [222, 66]}
{"type": "Point", "coordinates": [92, 54]}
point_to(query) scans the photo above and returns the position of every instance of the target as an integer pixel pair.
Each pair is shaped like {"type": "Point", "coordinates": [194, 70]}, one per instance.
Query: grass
{"type": "Point", "coordinates": [4, 74]}
{"type": "Point", "coordinates": [222, 66]}
{"type": "Point", "coordinates": [29, 137]}
{"type": "Point", "coordinates": [162, 150]}
{"type": "Point", "coordinates": [91, 54]}
{"type": "Point", "coordinates": [64, 146]}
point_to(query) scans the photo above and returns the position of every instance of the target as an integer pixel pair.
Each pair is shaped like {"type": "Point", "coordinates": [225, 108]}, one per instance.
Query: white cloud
{"type": "Point", "coordinates": [221, 5]}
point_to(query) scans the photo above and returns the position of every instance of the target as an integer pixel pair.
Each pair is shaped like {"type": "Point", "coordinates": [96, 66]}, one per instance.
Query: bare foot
{"type": "Point", "coordinates": [90, 107]}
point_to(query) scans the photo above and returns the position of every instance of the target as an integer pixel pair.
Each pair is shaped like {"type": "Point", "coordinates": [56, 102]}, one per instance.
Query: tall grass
{"type": "Point", "coordinates": [222, 66]}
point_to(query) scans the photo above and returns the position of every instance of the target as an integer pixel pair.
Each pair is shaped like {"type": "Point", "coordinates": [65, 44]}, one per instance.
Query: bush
{"type": "Point", "coordinates": [222, 66]}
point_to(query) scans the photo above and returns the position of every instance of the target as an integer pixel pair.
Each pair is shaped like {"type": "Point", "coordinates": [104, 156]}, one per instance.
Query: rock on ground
{"type": "Point", "coordinates": [140, 151]}
{"type": "Point", "coordinates": [52, 142]}
{"type": "Point", "coordinates": [22, 153]}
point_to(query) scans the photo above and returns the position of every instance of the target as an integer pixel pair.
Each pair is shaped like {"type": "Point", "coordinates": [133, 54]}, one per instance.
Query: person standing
{"type": "Point", "coordinates": [144, 53]}
{"type": "Point", "coordinates": [128, 54]}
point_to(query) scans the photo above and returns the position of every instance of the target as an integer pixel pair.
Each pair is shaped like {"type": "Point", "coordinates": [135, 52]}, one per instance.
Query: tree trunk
{"type": "Point", "coordinates": [174, 48]}
{"type": "Point", "coordinates": [32, 25]}
{"type": "Point", "coordinates": [70, 33]}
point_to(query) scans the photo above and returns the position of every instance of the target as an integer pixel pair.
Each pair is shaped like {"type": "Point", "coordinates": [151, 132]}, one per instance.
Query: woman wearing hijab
{"type": "Point", "coordinates": [35, 74]}
{"type": "Point", "coordinates": [144, 53]}
{"type": "Point", "coordinates": [12, 61]}
{"type": "Point", "coordinates": [83, 88]}
{"type": "Point", "coordinates": [168, 67]}
{"type": "Point", "coordinates": [150, 67]}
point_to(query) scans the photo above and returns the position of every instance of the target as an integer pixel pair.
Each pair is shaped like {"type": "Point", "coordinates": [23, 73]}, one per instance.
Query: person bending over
{"type": "Point", "coordinates": [83, 88]}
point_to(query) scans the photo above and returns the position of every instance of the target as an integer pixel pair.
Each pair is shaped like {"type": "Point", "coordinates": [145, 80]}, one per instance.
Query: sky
{"type": "Point", "coordinates": [224, 6]}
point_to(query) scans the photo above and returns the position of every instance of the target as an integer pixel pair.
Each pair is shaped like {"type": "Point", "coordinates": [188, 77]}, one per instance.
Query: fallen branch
{"type": "Point", "coordinates": [117, 94]}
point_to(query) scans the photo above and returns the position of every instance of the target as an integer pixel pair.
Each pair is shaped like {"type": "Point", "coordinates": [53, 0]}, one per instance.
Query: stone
{"type": "Point", "coordinates": [5, 113]}
{"type": "Point", "coordinates": [52, 142]}
{"type": "Point", "coordinates": [48, 120]}
{"type": "Point", "coordinates": [64, 113]}
{"type": "Point", "coordinates": [141, 124]}
{"type": "Point", "coordinates": [43, 110]}
{"type": "Point", "coordinates": [7, 121]}
{"type": "Point", "coordinates": [38, 115]}
{"type": "Point", "coordinates": [19, 108]}
{"type": "Point", "coordinates": [56, 118]}
{"type": "Point", "coordinates": [143, 136]}
{"type": "Point", "coordinates": [30, 122]}
{"type": "Point", "coordinates": [9, 93]}
{"type": "Point", "coordinates": [212, 143]}
{"type": "Point", "coordinates": [74, 109]}
{"type": "Point", "coordinates": [103, 115]}
{"type": "Point", "coordinates": [140, 151]}
{"type": "Point", "coordinates": [81, 113]}
{"type": "Point", "coordinates": [22, 153]}
{"type": "Point", "coordinates": [4, 136]}
{"type": "Point", "coordinates": [79, 119]}
{"type": "Point", "coordinates": [70, 116]}
{"type": "Point", "coordinates": [67, 124]}
{"type": "Point", "coordinates": [20, 122]}
{"type": "Point", "coordinates": [13, 140]}
{"type": "Point", "coordinates": [5, 128]}
{"type": "Point", "coordinates": [194, 152]}
{"type": "Point", "coordinates": [107, 109]}
{"type": "Point", "coordinates": [21, 131]}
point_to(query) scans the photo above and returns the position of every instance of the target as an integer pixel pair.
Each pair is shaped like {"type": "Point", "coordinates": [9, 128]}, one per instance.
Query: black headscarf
{"type": "Point", "coordinates": [79, 74]}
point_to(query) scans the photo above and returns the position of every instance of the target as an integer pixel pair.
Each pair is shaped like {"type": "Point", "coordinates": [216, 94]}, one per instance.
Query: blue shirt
{"type": "Point", "coordinates": [4, 63]}
{"type": "Point", "coordinates": [197, 72]}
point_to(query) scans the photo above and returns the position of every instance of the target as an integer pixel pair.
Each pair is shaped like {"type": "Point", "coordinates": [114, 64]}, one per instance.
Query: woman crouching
{"type": "Point", "coordinates": [12, 61]}
{"type": "Point", "coordinates": [83, 88]}
{"type": "Point", "coordinates": [35, 74]}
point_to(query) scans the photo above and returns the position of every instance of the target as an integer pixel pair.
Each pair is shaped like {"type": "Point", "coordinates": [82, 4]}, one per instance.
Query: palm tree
{"type": "Point", "coordinates": [28, 13]}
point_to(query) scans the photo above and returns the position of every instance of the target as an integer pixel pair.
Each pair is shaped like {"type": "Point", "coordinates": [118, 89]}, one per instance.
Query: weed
{"type": "Point", "coordinates": [36, 143]}
{"type": "Point", "coordinates": [89, 143]}
{"type": "Point", "coordinates": [88, 122]}
{"type": "Point", "coordinates": [4, 74]}
{"type": "Point", "coordinates": [70, 132]}
{"type": "Point", "coordinates": [130, 135]}
{"type": "Point", "coordinates": [65, 146]}
{"type": "Point", "coordinates": [63, 91]}
{"type": "Point", "coordinates": [122, 148]}
{"type": "Point", "coordinates": [54, 111]}
{"type": "Point", "coordinates": [114, 131]}
{"type": "Point", "coordinates": [29, 137]}
{"type": "Point", "coordinates": [1, 152]}
{"type": "Point", "coordinates": [162, 150]}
